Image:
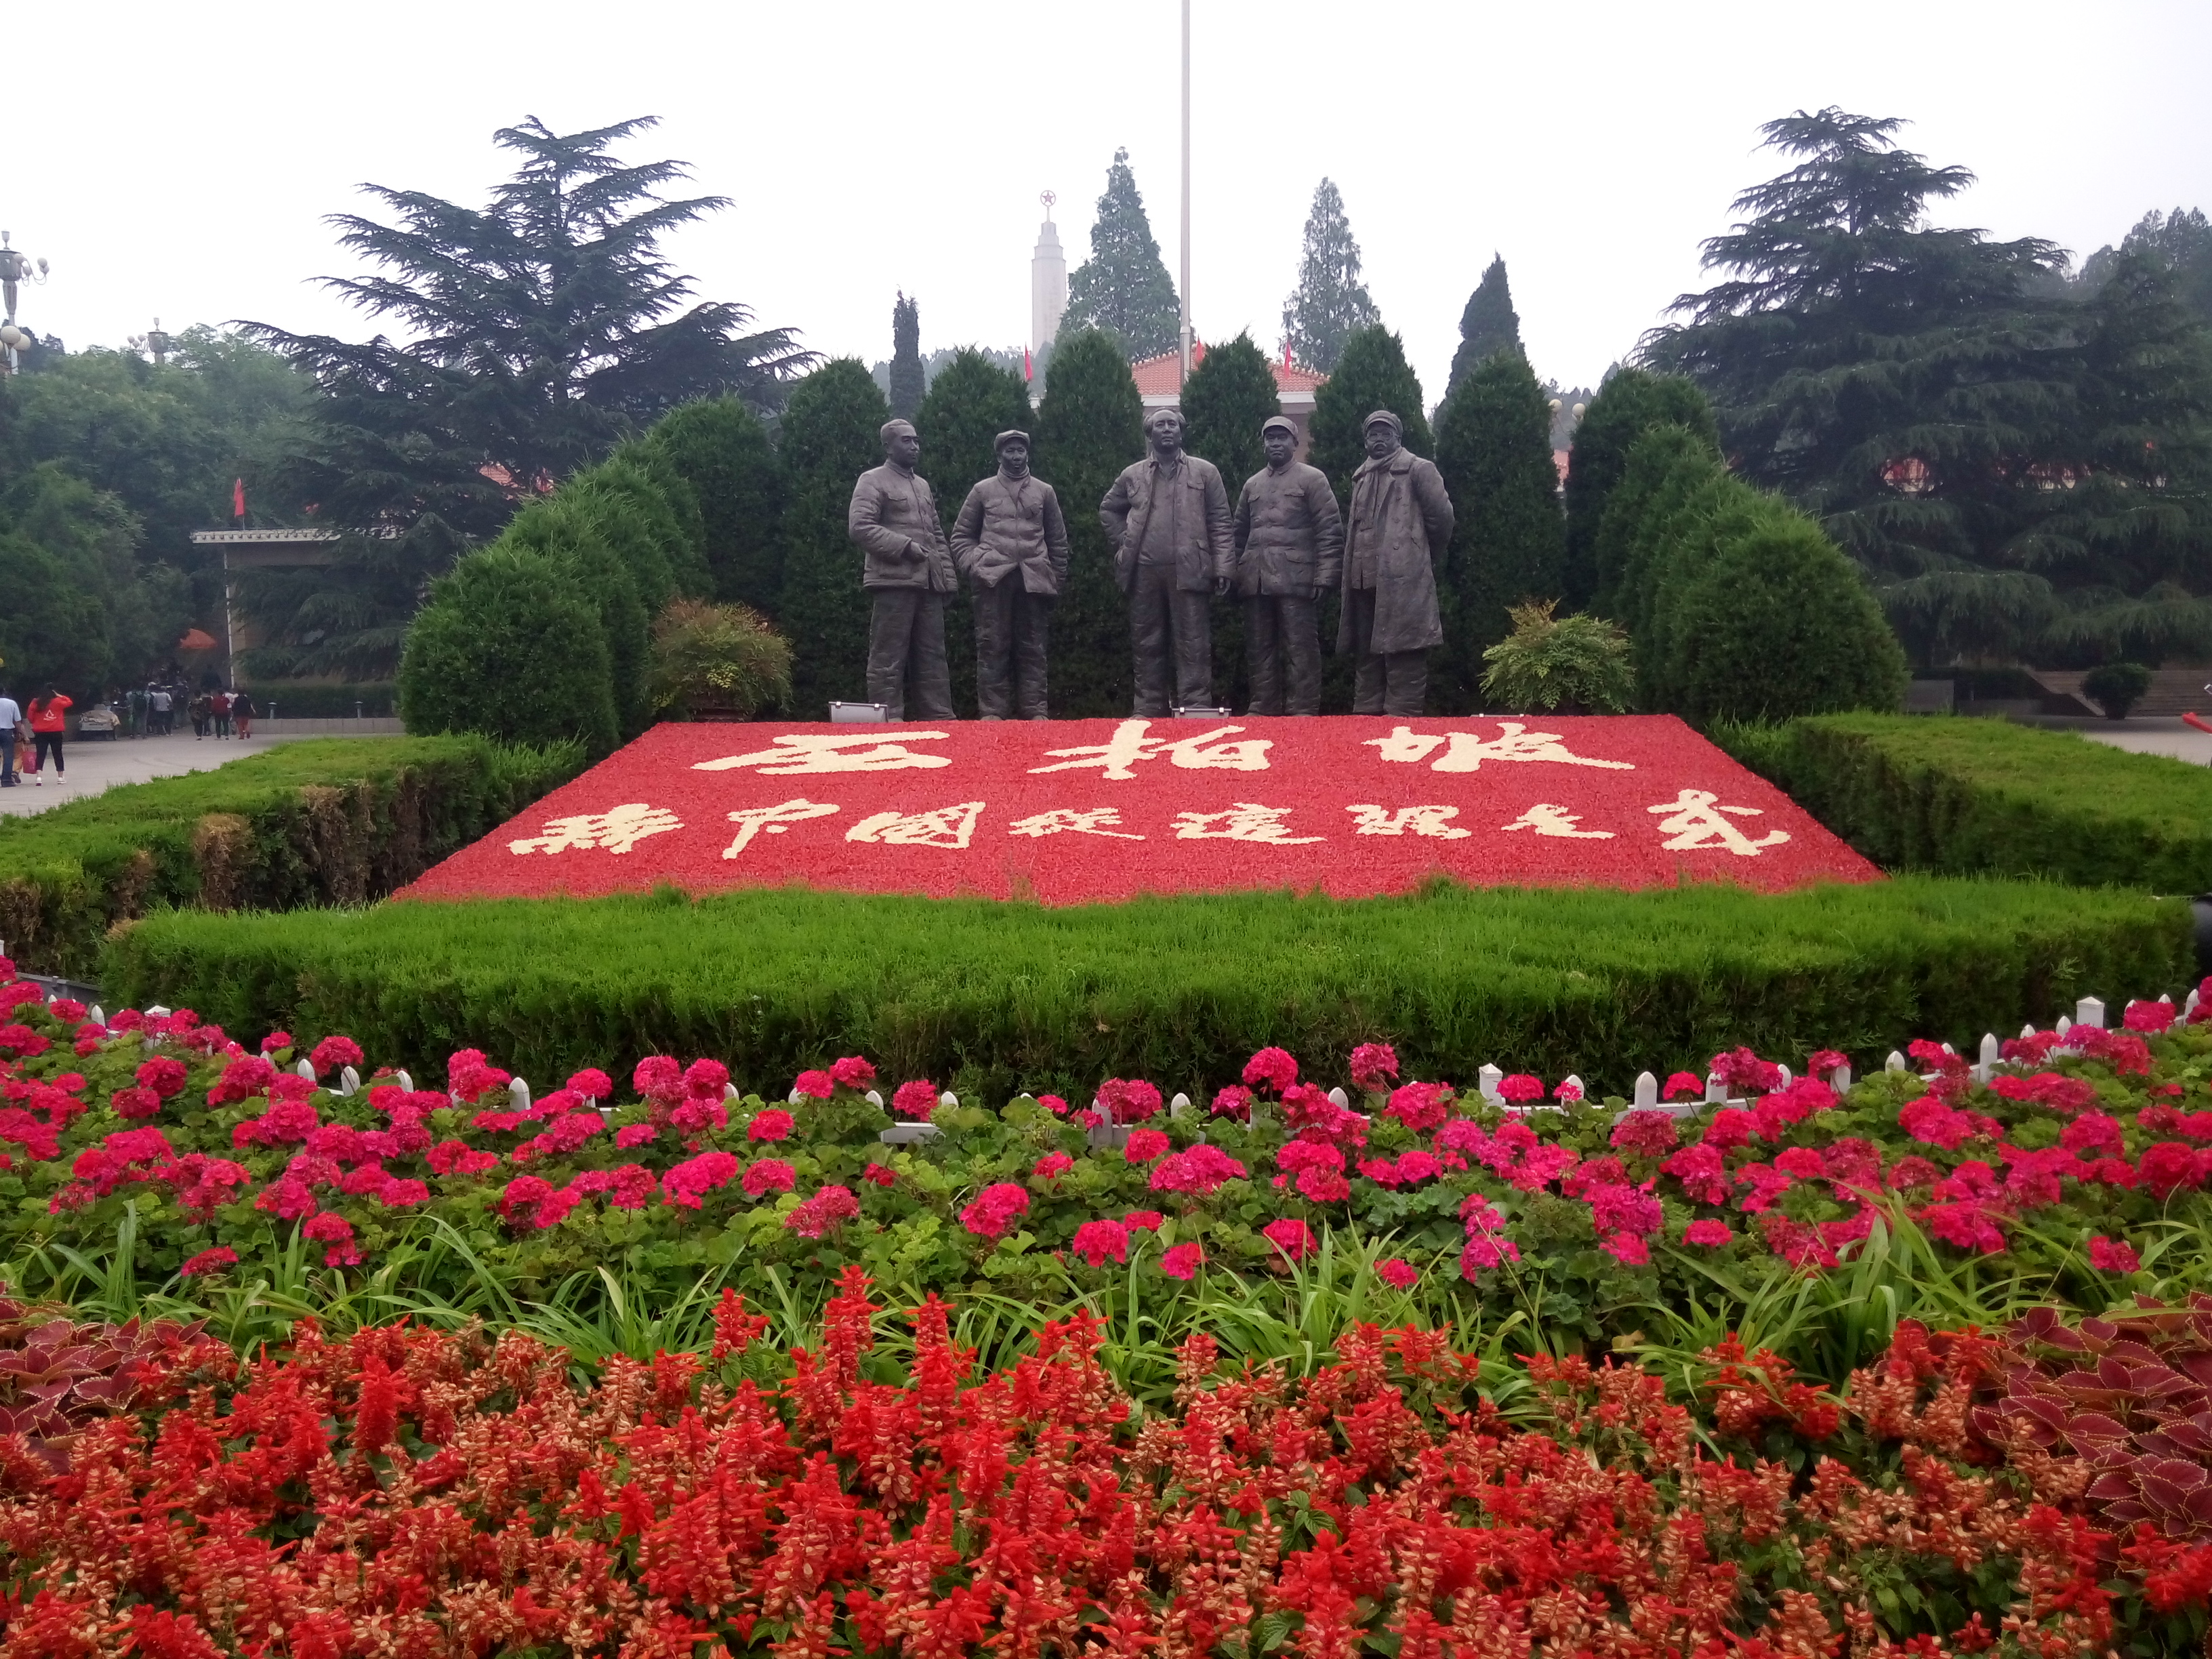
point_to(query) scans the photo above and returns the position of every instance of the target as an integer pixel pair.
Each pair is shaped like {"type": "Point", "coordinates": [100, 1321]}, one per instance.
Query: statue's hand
{"type": "Point", "coordinates": [1220, 587]}
{"type": "Point", "coordinates": [1320, 592]}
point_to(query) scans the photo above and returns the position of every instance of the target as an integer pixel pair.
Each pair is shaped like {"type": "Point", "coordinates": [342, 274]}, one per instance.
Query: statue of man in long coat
{"type": "Point", "coordinates": [1399, 525]}
{"type": "Point", "coordinates": [908, 571]}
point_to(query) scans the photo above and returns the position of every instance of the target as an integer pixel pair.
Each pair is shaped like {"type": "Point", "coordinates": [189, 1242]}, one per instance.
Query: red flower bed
{"type": "Point", "coordinates": [431, 1494]}
{"type": "Point", "coordinates": [1073, 811]}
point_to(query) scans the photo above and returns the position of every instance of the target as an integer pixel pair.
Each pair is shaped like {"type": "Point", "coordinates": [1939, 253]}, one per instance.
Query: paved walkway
{"type": "Point", "coordinates": [2148, 735]}
{"type": "Point", "coordinates": [97, 765]}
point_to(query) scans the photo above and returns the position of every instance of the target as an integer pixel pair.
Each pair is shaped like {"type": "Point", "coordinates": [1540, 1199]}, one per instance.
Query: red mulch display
{"type": "Point", "coordinates": [1073, 811]}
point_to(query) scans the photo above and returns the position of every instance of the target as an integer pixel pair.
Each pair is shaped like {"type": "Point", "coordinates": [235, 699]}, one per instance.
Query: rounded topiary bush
{"type": "Point", "coordinates": [2117, 687]}
{"type": "Point", "coordinates": [1776, 621]}
{"type": "Point", "coordinates": [511, 646]}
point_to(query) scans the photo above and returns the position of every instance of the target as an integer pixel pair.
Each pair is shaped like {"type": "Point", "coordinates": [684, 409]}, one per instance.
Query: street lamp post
{"type": "Point", "coordinates": [16, 269]}
{"type": "Point", "coordinates": [1185, 285]}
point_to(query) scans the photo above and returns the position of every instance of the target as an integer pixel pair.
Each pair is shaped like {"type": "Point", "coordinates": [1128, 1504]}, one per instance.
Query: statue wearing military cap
{"type": "Point", "coordinates": [1011, 541]}
{"type": "Point", "coordinates": [907, 568]}
{"type": "Point", "coordinates": [1290, 551]}
{"type": "Point", "coordinates": [1174, 547]}
{"type": "Point", "coordinates": [1399, 527]}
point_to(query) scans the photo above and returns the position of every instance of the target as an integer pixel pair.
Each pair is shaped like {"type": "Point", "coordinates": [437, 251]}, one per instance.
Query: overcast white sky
{"type": "Point", "coordinates": [177, 160]}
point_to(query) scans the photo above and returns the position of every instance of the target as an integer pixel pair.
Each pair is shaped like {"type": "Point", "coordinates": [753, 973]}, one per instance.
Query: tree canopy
{"type": "Point", "coordinates": [2016, 470]}
{"type": "Point", "coordinates": [1088, 428]}
{"type": "Point", "coordinates": [1488, 326]}
{"type": "Point", "coordinates": [908, 382]}
{"type": "Point", "coordinates": [1330, 303]}
{"type": "Point", "coordinates": [1124, 287]}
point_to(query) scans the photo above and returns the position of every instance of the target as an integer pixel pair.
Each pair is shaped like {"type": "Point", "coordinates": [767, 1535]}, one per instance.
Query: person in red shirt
{"type": "Point", "coordinates": [49, 724]}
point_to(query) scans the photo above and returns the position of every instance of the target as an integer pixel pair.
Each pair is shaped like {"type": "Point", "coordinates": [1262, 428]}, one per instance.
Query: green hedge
{"type": "Point", "coordinates": [991, 997]}
{"type": "Point", "coordinates": [328, 821]}
{"type": "Point", "coordinates": [1974, 797]}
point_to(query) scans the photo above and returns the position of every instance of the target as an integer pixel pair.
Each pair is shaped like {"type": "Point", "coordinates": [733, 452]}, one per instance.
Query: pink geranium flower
{"type": "Point", "coordinates": [1181, 1261]}
{"type": "Point", "coordinates": [1713, 1233]}
{"type": "Point", "coordinates": [1144, 1146]}
{"type": "Point", "coordinates": [2110, 1256]}
{"type": "Point", "coordinates": [1396, 1271]}
{"type": "Point", "coordinates": [1096, 1240]}
{"type": "Point", "coordinates": [1290, 1236]}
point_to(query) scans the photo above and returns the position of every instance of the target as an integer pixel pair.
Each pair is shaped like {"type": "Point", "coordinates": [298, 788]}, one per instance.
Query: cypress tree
{"type": "Point", "coordinates": [1373, 373]}
{"type": "Point", "coordinates": [970, 402]}
{"type": "Point", "coordinates": [721, 449]}
{"type": "Point", "coordinates": [829, 439]}
{"type": "Point", "coordinates": [1666, 467]}
{"type": "Point", "coordinates": [906, 377]}
{"type": "Point", "coordinates": [1488, 326]}
{"type": "Point", "coordinates": [1330, 303]}
{"type": "Point", "coordinates": [572, 530]}
{"type": "Point", "coordinates": [1124, 287]}
{"type": "Point", "coordinates": [1228, 396]}
{"type": "Point", "coordinates": [1630, 404]}
{"type": "Point", "coordinates": [1088, 428]}
{"type": "Point", "coordinates": [1494, 449]}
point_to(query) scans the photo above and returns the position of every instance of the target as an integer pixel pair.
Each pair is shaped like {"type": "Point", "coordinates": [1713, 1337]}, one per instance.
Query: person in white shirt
{"type": "Point", "coordinates": [10, 717]}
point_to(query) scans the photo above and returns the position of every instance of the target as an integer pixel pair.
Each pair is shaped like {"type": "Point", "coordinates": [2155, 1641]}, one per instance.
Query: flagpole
{"type": "Point", "coordinates": [1185, 192]}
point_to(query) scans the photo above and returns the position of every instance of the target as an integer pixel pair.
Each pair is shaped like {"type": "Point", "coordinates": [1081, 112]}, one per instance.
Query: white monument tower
{"type": "Point", "coordinates": [1048, 281]}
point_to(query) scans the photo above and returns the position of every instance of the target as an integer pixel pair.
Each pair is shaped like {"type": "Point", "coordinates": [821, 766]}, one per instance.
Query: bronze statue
{"type": "Point", "coordinates": [1399, 525]}
{"type": "Point", "coordinates": [1290, 551]}
{"type": "Point", "coordinates": [1011, 541]}
{"type": "Point", "coordinates": [1174, 547]}
{"type": "Point", "coordinates": [908, 569]}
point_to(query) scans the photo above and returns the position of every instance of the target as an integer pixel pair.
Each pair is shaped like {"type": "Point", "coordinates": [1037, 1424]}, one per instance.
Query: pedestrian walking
{"type": "Point", "coordinates": [49, 724]}
{"type": "Point", "coordinates": [10, 717]}
{"type": "Point", "coordinates": [162, 708]}
{"type": "Point", "coordinates": [197, 709]}
{"type": "Point", "coordinates": [219, 707]}
{"type": "Point", "coordinates": [242, 712]}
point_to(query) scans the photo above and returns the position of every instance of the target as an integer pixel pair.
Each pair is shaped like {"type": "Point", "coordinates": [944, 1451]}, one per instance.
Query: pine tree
{"type": "Point", "coordinates": [722, 449]}
{"type": "Point", "coordinates": [1489, 325]}
{"type": "Point", "coordinates": [1228, 399]}
{"type": "Point", "coordinates": [829, 437]}
{"type": "Point", "coordinates": [908, 382]}
{"type": "Point", "coordinates": [970, 402]}
{"type": "Point", "coordinates": [1123, 288]}
{"type": "Point", "coordinates": [1630, 404]}
{"type": "Point", "coordinates": [1330, 303]}
{"type": "Point", "coordinates": [1089, 428]}
{"type": "Point", "coordinates": [1919, 390]}
{"type": "Point", "coordinates": [1494, 449]}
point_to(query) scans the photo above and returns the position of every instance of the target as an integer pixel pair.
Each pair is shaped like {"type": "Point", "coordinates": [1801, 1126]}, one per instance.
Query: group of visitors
{"type": "Point", "coordinates": [29, 736]}
{"type": "Point", "coordinates": [220, 715]}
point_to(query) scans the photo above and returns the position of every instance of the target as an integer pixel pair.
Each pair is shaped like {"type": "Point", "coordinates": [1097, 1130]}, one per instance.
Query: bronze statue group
{"type": "Point", "coordinates": [1178, 545]}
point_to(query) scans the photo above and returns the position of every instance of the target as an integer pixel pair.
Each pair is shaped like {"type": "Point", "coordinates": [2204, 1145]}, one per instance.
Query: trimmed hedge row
{"type": "Point", "coordinates": [995, 998]}
{"type": "Point", "coordinates": [328, 821]}
{"type": "Point", "coordinates": [1981, 797]}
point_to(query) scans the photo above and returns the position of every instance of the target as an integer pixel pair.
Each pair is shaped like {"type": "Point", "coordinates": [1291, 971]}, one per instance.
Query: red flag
{"type": "Point", "coordinates": [1286, 353]}
{"type": "Point", "coordinates": [1028, 372]}
{"type": "Point", "coordinates": [238, 498]}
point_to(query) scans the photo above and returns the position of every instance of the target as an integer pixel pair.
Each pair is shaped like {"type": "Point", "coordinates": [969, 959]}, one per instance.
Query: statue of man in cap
{"type": "Point", "coordinates": [1290, 551]}
{"type": "Point", "coordinates": [1399, 524]}
{"type": "Point", "coordinates": [1175, 547]}
{"type": "Point", "coordinates": [1011, 541]}
{"type": "Point", "coordinates": [909, 570]}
